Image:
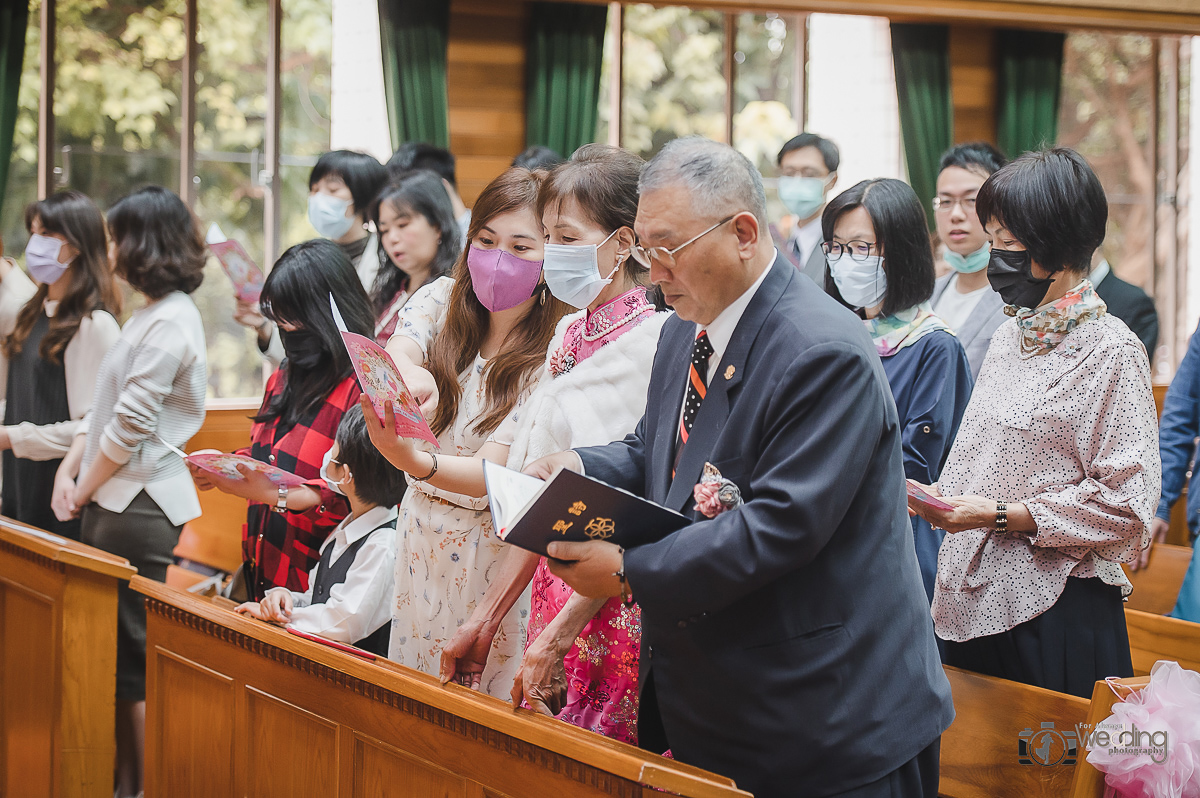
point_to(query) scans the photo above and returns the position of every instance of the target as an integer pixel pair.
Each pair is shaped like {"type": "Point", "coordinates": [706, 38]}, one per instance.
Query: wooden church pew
{"type": "Point", "coordinates": [1156, 587]}
{"type": "Point", "coordinates": [235, 706]}
{"type": "Point", "coordinates": [1153, 637]}
{"type": "Point", "coordinates": [979, 757]}
{"type": "Point", "coordinates": [1089, 782]}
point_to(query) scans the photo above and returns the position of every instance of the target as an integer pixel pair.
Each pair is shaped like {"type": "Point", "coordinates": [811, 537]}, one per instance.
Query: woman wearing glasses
{"type": "Point", "coordinates": [1055, 474]}
{"type": "Point", "coordinates": [881, 266]}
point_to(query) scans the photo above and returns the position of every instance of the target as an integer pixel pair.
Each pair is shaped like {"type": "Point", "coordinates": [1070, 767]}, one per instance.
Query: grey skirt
{"type": "Point", "coordinates": [144, 536]}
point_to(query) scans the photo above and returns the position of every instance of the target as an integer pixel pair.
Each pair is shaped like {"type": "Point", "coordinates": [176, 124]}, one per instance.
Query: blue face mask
{"type": "Point", "coordinates": [327, 214]}
{"type": "Point", "coordinates": [976, 261]}
{"type": "Point", "coordinates": [802, 195]}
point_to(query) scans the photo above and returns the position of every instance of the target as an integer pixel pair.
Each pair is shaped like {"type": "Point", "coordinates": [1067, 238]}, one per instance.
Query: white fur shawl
{"type": "Point", "coordinates": [598, 401]}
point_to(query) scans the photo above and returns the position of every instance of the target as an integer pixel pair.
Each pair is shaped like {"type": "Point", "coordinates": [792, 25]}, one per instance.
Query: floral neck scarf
{"type": "Point", "coordinates": [893, 333]}
{"type": "Point", "coordinates": [1044, 328]}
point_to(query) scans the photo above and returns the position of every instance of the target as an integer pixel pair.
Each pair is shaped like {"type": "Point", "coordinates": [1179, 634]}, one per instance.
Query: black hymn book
{"type": "Point", "coordinates": [530, 513]}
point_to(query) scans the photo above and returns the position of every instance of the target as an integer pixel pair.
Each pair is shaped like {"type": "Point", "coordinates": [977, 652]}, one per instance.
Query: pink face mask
{"type": "Point", "coordinates": [502, 280]}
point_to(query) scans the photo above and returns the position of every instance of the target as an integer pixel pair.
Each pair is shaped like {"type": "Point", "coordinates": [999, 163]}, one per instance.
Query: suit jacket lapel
{"type": "Point", "coordinates": [726, 376]}
{"type": "Point", "coordinates": [671, 402]}
{"type": "Point", "coordinates": [988, 305]}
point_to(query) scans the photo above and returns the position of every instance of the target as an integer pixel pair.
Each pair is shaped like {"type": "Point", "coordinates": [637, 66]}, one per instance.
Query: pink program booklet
{"type": "Point", "coordinates": [921, 497]}
{"type": "Point", "coordinates": [243, 272]}
{"type": "Point", "coordinates": [381, 381]}
{"type": "Point", "coordinates": [224, 464]}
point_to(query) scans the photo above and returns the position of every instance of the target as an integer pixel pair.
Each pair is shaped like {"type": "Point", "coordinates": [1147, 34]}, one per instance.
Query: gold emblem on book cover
{"type": "Point", "coordinates": [599, 528]}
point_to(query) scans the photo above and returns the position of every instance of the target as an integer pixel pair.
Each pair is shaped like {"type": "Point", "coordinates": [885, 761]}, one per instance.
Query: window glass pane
{"type": "Point", "coordinates": [117, 96]}
{"type": "Point", "coordinates": [674, 84]}
{"type": "Point", "coordinates": [304, 129]}
{"type": "Point", "coordinates": [1106, 114]}
{"type": "Point", "coordinates": [231, 107]}
{"type": "Point", "coordinates": [607, 76]}
{"type": "Point", "coordinates": [864, 122]}
{"type": "Point", "coordinates": [22, 169]}
{"type": "Point", "coordinates": [764, 103]}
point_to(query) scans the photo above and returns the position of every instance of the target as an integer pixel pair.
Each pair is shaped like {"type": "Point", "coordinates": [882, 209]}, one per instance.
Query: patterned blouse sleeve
{"type": "Point", "coordinates": [1109, 512]}
{"type": "Point", "coordinates": [425, 313]}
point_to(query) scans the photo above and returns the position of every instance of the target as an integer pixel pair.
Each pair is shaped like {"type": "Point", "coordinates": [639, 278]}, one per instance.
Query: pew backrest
{"type": "Point", "coordinates": [1089, 782]}
{"type": "Point", "coordinates": [1154, 637]}
{"type": "Point", "coordinates": [1008, 739]}
{"type": "Point", "coordinates": [1156, 587]}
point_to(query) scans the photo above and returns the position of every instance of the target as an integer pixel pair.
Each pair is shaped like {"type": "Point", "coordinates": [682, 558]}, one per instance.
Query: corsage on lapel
{"type": "Point", "coordinates": [714, 494]}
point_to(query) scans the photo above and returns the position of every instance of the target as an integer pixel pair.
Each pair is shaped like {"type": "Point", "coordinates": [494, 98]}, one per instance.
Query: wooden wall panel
{"type": "Point", "coordinates": [973, 82]}
{"type": "Point", "coordinates": [28, 691]}
{"type": "Point", "coordinates": [194, 715]}
{"type": "Point", "coordinates": [315, 774]}
{"type": "Point", "coordinates": [485, 75]}
{"type": "Point", "coordinates": [380, 769]}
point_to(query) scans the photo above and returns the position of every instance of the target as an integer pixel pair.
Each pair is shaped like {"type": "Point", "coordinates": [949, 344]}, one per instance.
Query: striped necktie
{"type": "Point", "coordinates": [697, 387]}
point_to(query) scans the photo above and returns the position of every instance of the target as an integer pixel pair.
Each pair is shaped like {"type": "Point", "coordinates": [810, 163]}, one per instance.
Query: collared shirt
{"type": "Point", "coordinates": [1073, 435]}
{"type": "Point", "coordinates": [1102, 270]}
{"type": "Point", "coordinates": [806, 239]}
{"type": "Point", "coordinates": [284, 546]}
{"type": "Point", "coordinates": [363, 602]}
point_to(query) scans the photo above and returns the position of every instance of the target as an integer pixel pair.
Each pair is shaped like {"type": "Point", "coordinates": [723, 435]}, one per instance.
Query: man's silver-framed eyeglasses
{"type": "Point", "coordinates": [946, 204]}
{"type": "Point", "coordinates": [857, 250]}
{"type": "Point", "coordinates": [666, 257]}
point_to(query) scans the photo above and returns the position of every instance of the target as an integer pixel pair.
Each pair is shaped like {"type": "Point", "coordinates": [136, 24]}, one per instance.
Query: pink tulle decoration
{"type": "Point", "coordinates": [707, 501]}
{"type": "Point", "coordinates": [1153, 745]}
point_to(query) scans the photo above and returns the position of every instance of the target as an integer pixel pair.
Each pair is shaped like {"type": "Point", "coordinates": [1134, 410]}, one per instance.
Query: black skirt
{"type": "Point", "coordinates": [1079, 641]}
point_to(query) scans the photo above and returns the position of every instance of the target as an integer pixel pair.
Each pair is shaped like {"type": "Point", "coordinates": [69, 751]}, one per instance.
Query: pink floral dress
{"type": "Point", "coordinates": [602, 666]}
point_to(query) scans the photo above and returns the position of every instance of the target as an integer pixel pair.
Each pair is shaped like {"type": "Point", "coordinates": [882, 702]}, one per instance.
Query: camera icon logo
{"type": "Point", "coordinates": [1047, 746]}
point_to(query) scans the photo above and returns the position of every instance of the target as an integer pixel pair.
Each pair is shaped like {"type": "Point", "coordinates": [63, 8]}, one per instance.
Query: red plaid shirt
{"type": "Point", "coordinates": [280, 549]}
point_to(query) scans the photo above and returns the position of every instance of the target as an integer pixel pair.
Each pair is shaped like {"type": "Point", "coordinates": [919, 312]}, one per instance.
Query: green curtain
{"type": "Point", "coordinates": [14, 18]}
{"type": "Point", "coordinates": [413, 35]}
{"type": "Point", "coordinates": [922, 59]}
{"type": "Point", "coordinates": [1030, 67]}
{"type": "Point", "coordinates": [562, 83]}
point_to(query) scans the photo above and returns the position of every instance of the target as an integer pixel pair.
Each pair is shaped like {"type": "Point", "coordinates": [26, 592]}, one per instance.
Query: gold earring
{"type": "Point", "coordinates": [545, 290]}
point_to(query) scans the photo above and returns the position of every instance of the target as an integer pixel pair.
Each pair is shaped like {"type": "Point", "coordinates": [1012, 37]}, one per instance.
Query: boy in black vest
{"type": "Point", "coordinates": [350, 591]}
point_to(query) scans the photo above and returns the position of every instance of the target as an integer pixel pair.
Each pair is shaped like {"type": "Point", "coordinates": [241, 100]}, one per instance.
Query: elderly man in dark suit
{"type": "Point", "coordinates": [787, 641]}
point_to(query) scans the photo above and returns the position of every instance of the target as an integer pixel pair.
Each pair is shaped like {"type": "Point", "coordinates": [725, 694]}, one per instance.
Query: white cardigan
{"type": "Point", "coordinates": [81, 364]}
{"type": "Point", "coordinates": [598, 401]}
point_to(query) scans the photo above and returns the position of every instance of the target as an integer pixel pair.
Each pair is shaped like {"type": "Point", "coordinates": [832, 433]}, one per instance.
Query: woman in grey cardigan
{"type": "Point", "coordinates": [133, 494]}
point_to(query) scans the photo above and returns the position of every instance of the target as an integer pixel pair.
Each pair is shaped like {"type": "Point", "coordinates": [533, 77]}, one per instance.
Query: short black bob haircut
{"type": "Point", "coordinates": [538, 157]}
{"type": "Point", "coordinates": [159, 245]}
{"type": "Point", "coordinates": [1052, 203]}
{"type": "Point", "coordinates": [419, 155]}
{"type": "Point", "coordinates": [829, 150]}
{"type": "Point", "coordinates": [376, 481]}
{"type": "Point", "coordinates": [361, 173]}
{"type": "Point", "coordinates": [419, 192]}
{"type": "Point", "coordinates": [974, 156]}
{"type": "Point", "coordinates": [297, 292]}
{"type": "Point", "coordinates": [901, 236]}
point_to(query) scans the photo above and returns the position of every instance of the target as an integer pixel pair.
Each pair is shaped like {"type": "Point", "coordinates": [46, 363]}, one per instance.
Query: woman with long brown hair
{"type": "Point", "coordinates": [482, 337]}
{"type": "Point", "coordinates": [54, 351]}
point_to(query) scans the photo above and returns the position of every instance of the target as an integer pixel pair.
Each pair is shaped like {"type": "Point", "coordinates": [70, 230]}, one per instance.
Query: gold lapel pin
{"type": "Point", "coordinates": [729, 372]}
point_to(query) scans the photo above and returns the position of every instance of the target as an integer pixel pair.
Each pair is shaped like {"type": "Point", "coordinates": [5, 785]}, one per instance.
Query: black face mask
{"type": "Point", "coordinates": [1011, 276]}
{"type": "Point", "coordinates": [303, 348]}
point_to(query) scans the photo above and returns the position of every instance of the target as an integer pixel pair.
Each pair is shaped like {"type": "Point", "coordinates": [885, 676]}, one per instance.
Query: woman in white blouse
{"type": "Point", "coordinates": [53, 347]}
{"type": "Point", "coordinates": [1054, 476]}
{"type": "Point", "coordinates": [134, 494]}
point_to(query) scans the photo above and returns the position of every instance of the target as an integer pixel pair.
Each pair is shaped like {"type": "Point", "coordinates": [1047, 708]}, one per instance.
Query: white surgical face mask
{"type": "Point", "coordinates": [327, 214]}
{"type": "Point", "coordinates": [573, 272]}
{"type": "Point", "coordinates": [335, 486]}
{"type": "Point", "coordinates": [862, 284]}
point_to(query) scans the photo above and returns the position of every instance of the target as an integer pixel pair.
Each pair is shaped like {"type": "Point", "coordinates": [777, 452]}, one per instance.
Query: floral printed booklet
{"type": "Point", "coordinates": [223, 464]}
{"type": "Point", "coordinates": [243, 272]}
{"type": "Point", "coordinates": [381, 381]}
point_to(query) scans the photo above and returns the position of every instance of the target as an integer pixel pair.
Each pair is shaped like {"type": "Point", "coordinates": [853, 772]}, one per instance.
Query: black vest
{"type": "Point", "coordinates": [331, 574]}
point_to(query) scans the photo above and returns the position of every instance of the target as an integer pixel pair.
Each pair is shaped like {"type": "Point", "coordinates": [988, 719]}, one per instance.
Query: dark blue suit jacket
{"type": "Point", "coordinates": [789, 641]}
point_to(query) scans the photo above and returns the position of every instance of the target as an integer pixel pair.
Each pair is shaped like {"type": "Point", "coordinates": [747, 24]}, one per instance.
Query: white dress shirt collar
{"type": "Point", "coordinates": [720, 329]}
{"type": "Point", "coordinates": [806, 238]}
{"type": "Point", "coordinates": [1098, 274]}
{"type": "Point", "coordinates": [351, 530]}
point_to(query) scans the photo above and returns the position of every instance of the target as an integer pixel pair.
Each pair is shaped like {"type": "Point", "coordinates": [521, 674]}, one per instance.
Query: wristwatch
{"type": "Point", "coordinates": [281, 502]}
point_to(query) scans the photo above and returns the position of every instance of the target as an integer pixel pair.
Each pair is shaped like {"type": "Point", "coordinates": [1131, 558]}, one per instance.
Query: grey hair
{"type": "Point", "coordinates": [720, 180]}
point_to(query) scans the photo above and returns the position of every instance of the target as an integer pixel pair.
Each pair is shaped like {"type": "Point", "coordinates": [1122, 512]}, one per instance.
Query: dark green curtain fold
{"type": "Point", "coordinates": [1029, 81]}
{"type": "Point", "coordinates": [562, 83]}
{"type": "Point", "coordinates": [14, 18]}
{"type": "Point", "coordinates": [413, 35]}
{"type": "Point", "coordinates": [921, 54]}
